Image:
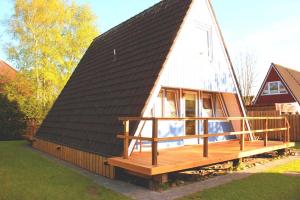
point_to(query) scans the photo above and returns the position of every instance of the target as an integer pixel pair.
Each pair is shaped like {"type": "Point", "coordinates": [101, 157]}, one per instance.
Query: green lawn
{"type": "Point", "coordinates": [272, 184]}
{"type": "Point", "coordinates": [297, 145]}
{"type": "Point", "coordinates": [25, 175]}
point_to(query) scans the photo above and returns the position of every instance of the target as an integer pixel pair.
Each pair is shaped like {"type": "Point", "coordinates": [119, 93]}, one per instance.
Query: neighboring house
{"type": "Point", "coordinates": [168, 61]}
{"type": "Point", "coordinates": [280, 89]}
{"type": "Point", "coordinates": [6, 72]}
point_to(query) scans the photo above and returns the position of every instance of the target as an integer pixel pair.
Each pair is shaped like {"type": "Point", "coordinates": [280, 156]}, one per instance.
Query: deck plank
{"type": "Point", "coordinates": [185, 157]}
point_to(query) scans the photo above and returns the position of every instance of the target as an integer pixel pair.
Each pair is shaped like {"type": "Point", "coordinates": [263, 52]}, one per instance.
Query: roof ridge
{"type": "Point", "coordinates": [289, 68]}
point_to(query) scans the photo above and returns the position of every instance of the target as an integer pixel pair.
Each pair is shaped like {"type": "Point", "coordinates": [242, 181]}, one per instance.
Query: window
{"type": "Point", "coordinates": [207, 105]}
{"type": "Point", "coordinates": [202, 40]}
{"type": "Point", "coordinates": [166, 104]}
{"type": "Point", "coordinates": [274, 87]}
{"type": "Point", "coordinates": [171, 108]}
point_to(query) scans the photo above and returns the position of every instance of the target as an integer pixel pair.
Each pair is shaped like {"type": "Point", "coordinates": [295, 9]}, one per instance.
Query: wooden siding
{"type": "Point", "coordinates": [89, 161]}
{"type": "Point", "coordinates": [294, 121]}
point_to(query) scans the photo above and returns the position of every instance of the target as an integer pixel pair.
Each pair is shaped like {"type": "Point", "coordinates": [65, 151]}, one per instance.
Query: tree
{"type": "Point", "coordinates": [12, 123]}
{"type": "Point", "coordinates": [246, 74]}
{"type": "Point", "coordinates": [48, 39]}
{"type": "Point", "coordinates": [20, 90]}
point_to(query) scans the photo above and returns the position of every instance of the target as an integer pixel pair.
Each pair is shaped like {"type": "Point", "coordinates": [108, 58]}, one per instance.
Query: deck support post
{"type": "Point", "coordinates": [242, 137]}
{"type": "Point", "coordinates": [154, 141]}
{"type": "Point", "coordinates": [161, 178]}
{"type": "Point", "coordinates": [205, 139]}
{"type": "Point", "coordinates": [126, 139]}
{"type": "Point", "coordinates": [266, 134]}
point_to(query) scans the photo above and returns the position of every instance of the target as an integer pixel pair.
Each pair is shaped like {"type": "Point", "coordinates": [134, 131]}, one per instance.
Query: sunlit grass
{"type": "Point", "coordinates": [26, 175]}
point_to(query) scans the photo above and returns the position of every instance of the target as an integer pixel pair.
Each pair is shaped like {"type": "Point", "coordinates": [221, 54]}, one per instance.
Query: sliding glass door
{"type": "Point", "coordinates": [190, 110]}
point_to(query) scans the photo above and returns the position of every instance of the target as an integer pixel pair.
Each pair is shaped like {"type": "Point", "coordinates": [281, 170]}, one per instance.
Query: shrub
{"type": "Point", "coordinates": [12, 120]}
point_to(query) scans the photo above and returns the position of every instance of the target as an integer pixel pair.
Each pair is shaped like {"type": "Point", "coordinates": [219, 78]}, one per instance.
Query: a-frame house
{"type": "Point", "coordinates": [169, 61]}
{"type": "Point", "coordinates": [281, 86]}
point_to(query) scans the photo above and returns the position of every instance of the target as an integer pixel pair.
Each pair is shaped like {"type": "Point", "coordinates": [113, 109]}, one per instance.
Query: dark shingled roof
{"type": "Point", "coordinates": [291, 78]}
{"type": "Point", "coordinates": [104, 87]}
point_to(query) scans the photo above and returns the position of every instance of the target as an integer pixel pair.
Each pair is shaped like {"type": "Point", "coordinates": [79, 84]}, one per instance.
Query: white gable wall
{"type": "Point", "coordinates": [198, 60]}
{"type": "Point", "coordinates": [194, 61]}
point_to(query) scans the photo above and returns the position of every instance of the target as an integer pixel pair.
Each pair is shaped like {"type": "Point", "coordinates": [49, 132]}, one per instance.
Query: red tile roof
{"type": "Point", "coordinates": [291, 78]}
{"type": "Point", "coordinates": [6, 71]}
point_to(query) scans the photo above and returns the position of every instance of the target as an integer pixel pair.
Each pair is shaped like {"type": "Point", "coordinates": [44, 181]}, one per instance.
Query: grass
{"type": "Point", "coordinates": [26, 175]}
{"type": "Point", "coordinates": [297, 146]}
{"type": "Point", "coordinates": [272, 184]}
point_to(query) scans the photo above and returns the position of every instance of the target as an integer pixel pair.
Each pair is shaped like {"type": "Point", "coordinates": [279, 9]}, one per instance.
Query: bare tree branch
{"type": "Point", "coordinates": [246, 74]}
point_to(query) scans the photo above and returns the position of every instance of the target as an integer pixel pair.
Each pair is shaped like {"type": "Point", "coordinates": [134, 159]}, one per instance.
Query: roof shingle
{"type": "Point", "coordinates": [105, 86]}
{"type": "Point", "coordinates": [291, 78]}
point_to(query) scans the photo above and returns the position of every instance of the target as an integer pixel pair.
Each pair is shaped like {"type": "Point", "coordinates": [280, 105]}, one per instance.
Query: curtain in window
{"type": "Point", "coordinates": [170, 104]}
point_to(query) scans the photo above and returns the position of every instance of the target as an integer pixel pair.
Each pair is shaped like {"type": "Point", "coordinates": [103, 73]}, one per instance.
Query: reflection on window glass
{"type": "Point", "coordinates": [266, 89]}
{"type": "Point", "coordinates": [207, 103]}
{"type": "Point", "coordinates": [275, 87]}
{"type": "Point", "coordinates": [170, 104]}
{"type": "Point", "coordinates": [207, 106]}
{"type": "Point", "coordinates": [190, 111]}
{"type": "Point", "coordinates": [282, 89]}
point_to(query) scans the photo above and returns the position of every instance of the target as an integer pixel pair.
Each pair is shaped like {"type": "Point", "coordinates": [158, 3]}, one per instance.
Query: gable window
{"type": "Point", "coordinates": [274, 87]}
{"type": "Point", "coordinates": [203, 40]}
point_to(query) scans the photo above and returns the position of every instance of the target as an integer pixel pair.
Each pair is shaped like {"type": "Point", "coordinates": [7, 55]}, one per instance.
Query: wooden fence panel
{"type": "Point", "coordinates": [294, 121]}
{"type": "Point", "coordinates": [89, 161]}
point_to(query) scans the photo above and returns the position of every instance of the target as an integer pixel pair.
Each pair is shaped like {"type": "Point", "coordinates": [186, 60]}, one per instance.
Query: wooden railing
{"type": "Point", "coordinates": [154, 139]}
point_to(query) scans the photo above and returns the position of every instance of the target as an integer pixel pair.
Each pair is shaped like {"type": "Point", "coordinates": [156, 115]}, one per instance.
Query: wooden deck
{"type": "Point", "coordinates": [185, 157]}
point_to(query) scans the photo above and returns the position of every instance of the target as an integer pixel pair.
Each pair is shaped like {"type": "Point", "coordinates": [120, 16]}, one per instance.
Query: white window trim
{"type": "Point", "coordinates": [208, 29]}
{"type": "Point", "coordinates": [269, 91]}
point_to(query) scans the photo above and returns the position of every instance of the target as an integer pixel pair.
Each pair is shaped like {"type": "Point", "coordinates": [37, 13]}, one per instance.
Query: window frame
{"type": "Point", "coordinates": [208, 30]}
{"type": "Point", "coordinates": [278, 92]}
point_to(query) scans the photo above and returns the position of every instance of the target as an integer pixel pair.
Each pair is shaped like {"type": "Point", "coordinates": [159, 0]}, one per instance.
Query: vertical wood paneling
{"type": "Point", "coordinates": [89, 161]}
{"type": "Point", "coordinates": [294, 121]}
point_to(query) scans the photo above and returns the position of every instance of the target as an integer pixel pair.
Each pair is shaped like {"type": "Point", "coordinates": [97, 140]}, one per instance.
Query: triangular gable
{"type": "Point", "coordinates": [276, 73]}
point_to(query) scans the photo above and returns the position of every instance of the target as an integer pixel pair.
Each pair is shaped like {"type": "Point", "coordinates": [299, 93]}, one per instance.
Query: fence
{"type": "Point", "coordinates": [294, 121]}
{"type": "Point", "coordinates": [31, 128]}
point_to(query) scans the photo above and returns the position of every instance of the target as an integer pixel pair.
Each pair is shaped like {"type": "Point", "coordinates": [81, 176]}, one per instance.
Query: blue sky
{"type": "Point", "coordinates": [270, 29]}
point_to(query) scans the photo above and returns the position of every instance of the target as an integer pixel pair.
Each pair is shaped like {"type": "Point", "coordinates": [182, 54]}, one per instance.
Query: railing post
{"type": "Point", "coordinates": [126, 139]}
{"type": "Point", "coordinates": [242, 137]}
{"type": "Point", "coordinates": [154, 141]}
{"type": "Point", "coordinates": [205, 139]}
{"type": "Point", "coordinates": [266, 134]}
{"type": "Point", "coordinates": [287, 132]}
